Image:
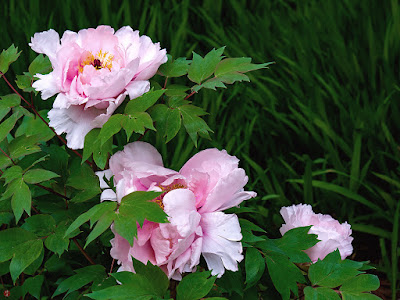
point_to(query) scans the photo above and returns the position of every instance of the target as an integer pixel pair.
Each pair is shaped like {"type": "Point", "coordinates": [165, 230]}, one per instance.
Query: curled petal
{"type": "Point", "coordinates": [46, 84]}
{"type": "Point", "coordinates": [221, 242]}
{"type": "Point", "coordinates": [46, 42]}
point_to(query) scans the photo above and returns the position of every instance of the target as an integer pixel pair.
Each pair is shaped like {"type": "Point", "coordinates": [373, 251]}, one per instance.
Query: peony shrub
{"type": "Point", "coordinates": [110, 221]}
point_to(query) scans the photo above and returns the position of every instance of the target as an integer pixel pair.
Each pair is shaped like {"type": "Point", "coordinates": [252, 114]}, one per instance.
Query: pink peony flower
{"type": "Point", "coordinates": [331, 233]}
{"type": "Point", "coordinates": [193, 198]}
{"type": "Point", "coordinates": [93, 71]}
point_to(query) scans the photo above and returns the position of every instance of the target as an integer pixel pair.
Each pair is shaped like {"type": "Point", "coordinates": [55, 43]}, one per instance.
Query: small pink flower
{"type": "Point", "coordinates": [193, 199]}
{"type": "Point", "coordinates": [331, 233]}
{"type": "Point", "coordinates": [93, 71]}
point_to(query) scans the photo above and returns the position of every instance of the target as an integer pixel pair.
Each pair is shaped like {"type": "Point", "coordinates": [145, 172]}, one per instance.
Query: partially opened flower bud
{"type": "Point", "coordinates": [331, 233]}
{"type": "Point", "coordinates": [93, 71]}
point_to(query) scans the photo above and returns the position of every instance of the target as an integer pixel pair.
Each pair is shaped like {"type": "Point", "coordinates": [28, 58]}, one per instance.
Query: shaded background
{"type": "Point", "coordinates": [321, 126]}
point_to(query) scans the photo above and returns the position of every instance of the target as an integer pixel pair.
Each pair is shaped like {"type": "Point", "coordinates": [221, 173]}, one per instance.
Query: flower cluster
{"type": "Point", "coordinates": [193, 198]}
{"type": "Point", "coordinates": [93, 71]}
{"type": "Point", "coordinates": [331, 233]}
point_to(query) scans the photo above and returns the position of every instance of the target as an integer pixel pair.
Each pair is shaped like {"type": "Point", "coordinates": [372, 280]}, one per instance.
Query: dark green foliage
{"type": "Point", "coordinates": [325, 115]}
{"type": "Point", "coordinates": [195, 286]}
{"type": "Point", "coordinates": [7, 57]}
{"type": "Point", "coordinates": [149, 283]}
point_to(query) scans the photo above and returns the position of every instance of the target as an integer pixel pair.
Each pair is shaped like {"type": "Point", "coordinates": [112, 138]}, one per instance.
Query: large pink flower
{"type": "Point", "coordinates": [193, 198]}
{"type": "Point", "coordinates": [93, 71]}
{"type": "Point", "coordinates": [331, 233]}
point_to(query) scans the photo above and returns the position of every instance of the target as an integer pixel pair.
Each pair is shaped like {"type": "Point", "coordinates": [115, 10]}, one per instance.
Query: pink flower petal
{"type": "Point", "coordinates": [330, 232]}
{"type": "Point", "coordinates": [221, 238]}
{"type": "Point", "coordinates": [46, 42]}
{"type": "Point", "coordinates": [46, 84]}
{"type": "Point", "coordinates": [179, 205]}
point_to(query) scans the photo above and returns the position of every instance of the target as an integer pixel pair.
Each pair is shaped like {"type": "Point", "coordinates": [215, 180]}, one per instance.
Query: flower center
{"type": "Point", "coordinates": [99, 61]}
{"type": "Point", "coordinates": [165, 190]}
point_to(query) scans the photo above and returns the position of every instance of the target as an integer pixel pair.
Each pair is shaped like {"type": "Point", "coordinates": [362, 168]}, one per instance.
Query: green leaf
{"type": "Point", "coordinates": [20, 245]}
{"type": "Point", "coordinates": [332, 271]}
{"type": "Point", "coordinates": [40, 65]}
{"type": "Point", "coordinates": [143, 102]}
{"type": "Point", "coordinates": [7, 57]}
{"type": "Point", "coordinates": [8, 125]}
{"type": "Point", "coordinates": [320, 293]}
{"type": "Point", "coordinates": [363, 296]}
{"type": "Point", "coordinates": [255, 266]}
{"type": "Point", "coordinates": [23, 145]}
{"type": "Point", "coordinates": [93, 145]}
{"type": "Point", "coordinates": [284, 274]}
{"type": "Point", "coordinates": [134, 286]}
{"type": "Point", "coordinates": [58, 242]}
{"type": "Point", "coordinates": [111, 127]}
{"type": "Point", "coordinates": [38, 175]}
{"type": "Point", "coordinates": [33, 286]}
{"type": "Point", "coordinates": [361, 283]}
{"type": "Point", "coordinates": [168, 120]}
{"type": "Point", "coordinates": [7, 102]}
{"type": "Point", "coordinates": [24, 82]}
{"type": "Point", "coordinates": [33, 267]}
{"type": "Point", "coordinates": [102, 225]}
{"type": "Point", "coordinates": [202, 68]}
{"type": "Point", "coordinates": [136, 122]}
{"type": "Point", "coordinates": [93, 214]}
{"type": "Point", "coordinates": [232, 282]}
{"type": "Point", "coordinates": [21, 197]}
{"type": "Point", "coordinates": [12, 238]}
{"type": "Point", "coordinates": [32, 125]}
{"type": "Point", "coordinates": [175, 68]}
{"type": "Point", "coordinates": [193, 124]}
{"type": "Point", "coordinates": [295, 241]}
{"type": "Point", "coordinates": [135, 208]}
{"type": "Point", "coordinates": [82, 277]}
{"type": "Point", "coordinates": [229, 71]}
{"type": "Point", "coordinates": [4, 268]}
{"type": "Point", "coordinates": [25, 255]}
{"type": "Point", "coordinates": [172, 124]}
{"type": "Point", "coordinates": [83, 179]}
{"type": "Point", "coordinates": [40, 225]}
{"type": "Point", "coordinates": [195, 286]}
{"type": "Point", "coordinates": [14, 172]}
{"type": "Point", "coordinates": [154, 274]}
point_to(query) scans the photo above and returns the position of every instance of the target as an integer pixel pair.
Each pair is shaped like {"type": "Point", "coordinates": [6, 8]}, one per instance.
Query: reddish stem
{"type": "Point", "coordinates": [36, 113]}
{"type": "Point", "coordinates": [112, 265]}
{"type": "Point", "coordinates": [7, 156]}
{"type": "Point", "coordinates": [37, 184]}
{"type": "Point", "coordinates": [52, 191]}
{"type": "Point", "coordinates": [190, 95]}
{"type": "Point", "coordinates": [83, 251]}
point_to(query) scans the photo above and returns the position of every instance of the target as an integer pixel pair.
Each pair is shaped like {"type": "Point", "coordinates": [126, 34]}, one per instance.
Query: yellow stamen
{"type": "Point", "coordinates": [165, 190]}
{"type": "Point", "coordinates": [100, 61]}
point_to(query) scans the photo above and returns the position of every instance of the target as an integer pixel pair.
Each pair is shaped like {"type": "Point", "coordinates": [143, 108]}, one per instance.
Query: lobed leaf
{"type": "Point", "coordinates": [7, 57]}
{"type": "Point", "coordinates": [255, 266]}
{"type": "Point", "coordinates": [175, 68]}
{"type": "Point", "coordinates": [202, 68]}
{"type": "Point", "coordinates": [7, 102]}
{"type": "Point", "coordinates": [82, 277]}
{"type": "Point", "coordinates": [284, 274]}
{"type": "Point", "coordinates": [195, 286]}
{"type": "Point", "coordinates": [194, 125]}
{"type": "Point", "coordinates": [332, 271]}
{"type": "Point", "coordinates": [38, 175]}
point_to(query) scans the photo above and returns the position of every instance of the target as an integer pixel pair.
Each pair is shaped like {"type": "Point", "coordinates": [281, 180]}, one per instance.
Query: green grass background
{"type": "Point", "coordinates": [321, 126]}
